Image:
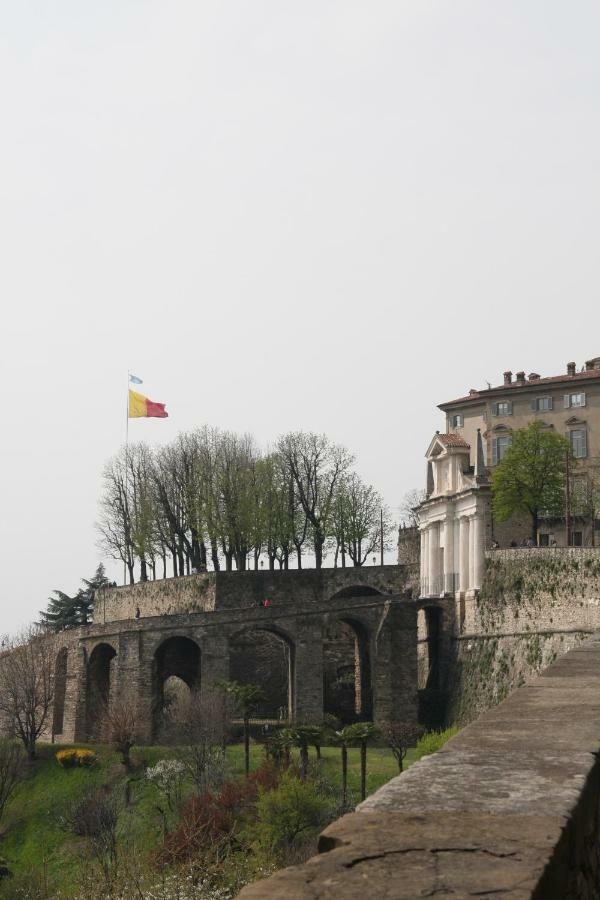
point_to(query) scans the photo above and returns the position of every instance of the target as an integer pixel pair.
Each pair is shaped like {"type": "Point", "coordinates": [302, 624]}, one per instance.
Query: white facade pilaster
{"type": "Point", "coordinates": [464, 553]}
{"type": "Point", "coordinates": [449, 554]}
{"type": "Point", "coordinates": [478, 552]}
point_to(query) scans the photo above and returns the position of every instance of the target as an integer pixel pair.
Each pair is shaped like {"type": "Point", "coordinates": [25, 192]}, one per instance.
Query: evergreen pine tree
{"type": "Point", "coordinates": [64, 611]}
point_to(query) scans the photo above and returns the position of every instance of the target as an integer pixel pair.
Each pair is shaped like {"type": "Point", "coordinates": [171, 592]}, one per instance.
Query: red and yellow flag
{"type": "Point", "coordinates": [140, 406]}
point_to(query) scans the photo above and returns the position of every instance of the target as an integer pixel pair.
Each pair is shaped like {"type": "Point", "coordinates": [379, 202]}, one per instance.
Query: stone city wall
{"type": "Point", "coordinates": [167, 596]}
{"type": "Point", "coordinates": [205, 592]}
{"type": "Point", "coordinates": [508, 807]}
{"type": "Point", "coordinates": [535, 605]}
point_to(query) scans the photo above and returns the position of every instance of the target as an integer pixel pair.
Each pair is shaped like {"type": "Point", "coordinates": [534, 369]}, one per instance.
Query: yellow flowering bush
{"type": "Point", "coordinates": [69, 759]}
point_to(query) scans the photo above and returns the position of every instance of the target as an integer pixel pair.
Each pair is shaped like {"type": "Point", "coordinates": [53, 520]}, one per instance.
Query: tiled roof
{"type": "Point", "coordinates": [516, 385]}
{"type": "Point", "coordinates": [452, 440]}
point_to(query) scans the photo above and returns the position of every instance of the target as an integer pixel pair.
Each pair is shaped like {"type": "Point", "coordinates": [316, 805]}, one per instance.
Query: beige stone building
{"type": "Point", "coordinates": [569, 403]}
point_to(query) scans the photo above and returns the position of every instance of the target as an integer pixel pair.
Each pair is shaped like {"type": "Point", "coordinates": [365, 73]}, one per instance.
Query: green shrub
{"type": "Point", "coordinates": [433, 740]}
{"type": "Point", "coordinates": [289, 814]}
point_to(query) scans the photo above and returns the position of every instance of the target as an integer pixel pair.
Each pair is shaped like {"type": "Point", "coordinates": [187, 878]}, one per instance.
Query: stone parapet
{"type": "Point", "coordinates": [209, 591]}
{"type": "Point", "coordinates": [507, 807]}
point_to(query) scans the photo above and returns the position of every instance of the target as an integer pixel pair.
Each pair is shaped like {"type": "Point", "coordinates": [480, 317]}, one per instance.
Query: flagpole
{"type": "Point", "coordinates": [125, 507]}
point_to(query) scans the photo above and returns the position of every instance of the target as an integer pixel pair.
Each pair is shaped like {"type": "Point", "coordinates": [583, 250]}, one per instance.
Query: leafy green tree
{"type": "Point", "coordinates": [530, 477]}
{"type": "Point", "coordinates": [344, 738]}
{"type": "Point", "coordinates": [64, 611]}
{"type": "Point", "coordinates": [247, 698]}
{"type": "Point", "coordinates": [305, 736]}
{"type": "Point", "coordinates": [361, 733]}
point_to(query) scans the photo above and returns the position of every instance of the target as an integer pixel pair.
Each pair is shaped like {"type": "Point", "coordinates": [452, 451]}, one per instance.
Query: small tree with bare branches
{"type": "Point", "coordinates": [400, 736]}
{"type": "Point", "coordinates": [27, 685]}
{"type": "Point", "coordinates": [11, 768]}
{"type": "Point", "coordinates": [120, 721]}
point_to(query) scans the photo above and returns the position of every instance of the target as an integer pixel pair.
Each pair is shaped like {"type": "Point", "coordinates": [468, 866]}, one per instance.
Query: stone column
{"type": "Point", "coordinates": [471, 553]}
{"type": "Point", "coordinates": [478, 552]}
{"type": "Point", "coordinates": [307, 705]}
{"type": "Point", "coordinates": [395, 665]}
{"type": "Point", "coordinates": [448, 555]}
{"type": "Point", "coordinates": [433, 551]}
{"type": "Point", "coordinates": [423, 559]}
{"type": "Point", "coordinates": [214, 667]}
{"type": "Point", "coordinates": [75, 697]}
{"type": "Point", "coordinates": [463, 548]}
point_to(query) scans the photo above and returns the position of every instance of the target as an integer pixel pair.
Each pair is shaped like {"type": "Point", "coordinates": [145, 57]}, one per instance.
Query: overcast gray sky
{"type": "Point", "coordinates": [324, 215]}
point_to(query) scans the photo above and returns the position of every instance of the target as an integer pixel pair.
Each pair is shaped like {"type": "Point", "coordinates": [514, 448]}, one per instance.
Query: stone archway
{"type": "Point", "coordinates": [176, 664]}
{"type": "Point", "coordinates": [60, 690]}
{"type": "Point", "coordinates": [265, 656]}
{"type": "Point", "coordinates": [347, 688]}
{"type": "Point", "coordinates": [98, 689]}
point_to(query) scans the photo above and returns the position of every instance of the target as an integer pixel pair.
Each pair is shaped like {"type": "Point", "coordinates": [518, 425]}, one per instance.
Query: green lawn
{"type": "Point", "coordinates": [34, 835]}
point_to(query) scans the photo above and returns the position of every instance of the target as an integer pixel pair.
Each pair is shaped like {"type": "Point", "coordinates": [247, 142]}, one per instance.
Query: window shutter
{"type": "Point", "coordinates": [494, 451]}
{"type": "Point", "coordinates": [566, 401]}
{"type": "Point", "coordinates": [534, 405]}
{"type": "Point", "coordinates": [550, 402]}
{"type": "Point", "coordinates": [494, 409]}
{"type": "Point", "coordinates": [584, 442]}
{"type": "Point", "coordinates": [583, 399]}
{"type": "Point", "coordinates": [509, 408]}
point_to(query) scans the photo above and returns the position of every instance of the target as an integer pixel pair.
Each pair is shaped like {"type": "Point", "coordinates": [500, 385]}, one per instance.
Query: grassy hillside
{"type": "Point", "coordinates": [37, 843]}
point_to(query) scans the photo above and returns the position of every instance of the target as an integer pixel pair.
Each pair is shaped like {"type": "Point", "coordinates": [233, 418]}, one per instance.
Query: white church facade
{"type": "Point", "coordinates": [455, 518]}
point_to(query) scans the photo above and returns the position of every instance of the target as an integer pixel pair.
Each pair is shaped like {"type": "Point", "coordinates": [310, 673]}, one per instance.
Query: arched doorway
{"type": "Point", "coordinates": [265, 657]}
{"type": "Point", "coordinates": [60, 689]}
{"type": "Point", "coordinates": [347, 692]}
{"type": "Point", "coordinates": [98, 689]}
{"type": "Point", "coordinates": [176, 679]}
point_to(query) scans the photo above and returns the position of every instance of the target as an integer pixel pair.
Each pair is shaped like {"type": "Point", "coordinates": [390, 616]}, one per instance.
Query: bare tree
{"type": "Point", "coordinates": [357, 518]}
{"type": "Point", "coordinates": [11, 769]}
{"type": "Point", "coordinates": [316, 467]}
{"type": "Point", "coordinates": [120, 721]}
{"type": "Point", "coordinates": [202, 737]}
{"type": "Point", "coordinates": [27, 685]}
{"type": "Point", "coordinates": [114, 524]}
{"type": "Point", "coordinates": [409, 515]}
{"type": "Point", "coordinates": [401, 736]}
{"type": "Point", "coordinates": [585, 491]}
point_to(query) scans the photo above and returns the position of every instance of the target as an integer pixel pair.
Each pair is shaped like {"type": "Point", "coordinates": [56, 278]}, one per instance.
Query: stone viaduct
{"type": "Point", "coordinates": [196, 627]}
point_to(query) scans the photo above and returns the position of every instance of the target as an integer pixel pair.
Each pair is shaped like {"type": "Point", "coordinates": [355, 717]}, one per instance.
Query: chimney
{"type": "Point", "coordinates": [508, 378]}
{"type": "Point", "coordinates": [520, 376]}
{"type": "Point", "coordinates": [589, 365]}
{"type": "Point", "coordinates": [571, 368]}
{"type": "Point", "coordinates": [533, 376]}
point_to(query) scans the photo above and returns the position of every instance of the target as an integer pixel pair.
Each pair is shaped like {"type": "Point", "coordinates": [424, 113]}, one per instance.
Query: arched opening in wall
{"type": "Point", "coordinates": [433, 630]}
{"type": "Point", "coordinates": [265, 657]}
{"type": "Point", "coordinates": [98, 689]}
{"type": "Point", "coordinates": [176, 707]}
{"type": "Point", "coordinates": [175, 684]}
{"type": "Point", "coordinates": [347, 692]}
{"type": "Point", "coordinates": [60, 689]}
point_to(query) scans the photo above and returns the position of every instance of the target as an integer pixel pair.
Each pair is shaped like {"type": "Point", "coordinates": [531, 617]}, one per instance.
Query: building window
{"type": "Point", "coordinates": [457, 421]}
{"type": "Point", "coordinates": [578, 441]}
{"type": "Point", "coordinates": [544, 540]}
{"type": "Point", "coordinates": [499, 447]}
{"type": "Point", "coordinates": [574, 400]}
{"type": "Point", "coordinates": [541, 404]}
{"type": "Point", "coordinates": [502, 408]}
{"type": "Point", "coordinates": [577, 539]}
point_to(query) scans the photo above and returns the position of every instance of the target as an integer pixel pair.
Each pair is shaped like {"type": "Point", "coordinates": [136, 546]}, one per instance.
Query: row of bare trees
{"type": "Point", "coordinates": [213, 498]}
